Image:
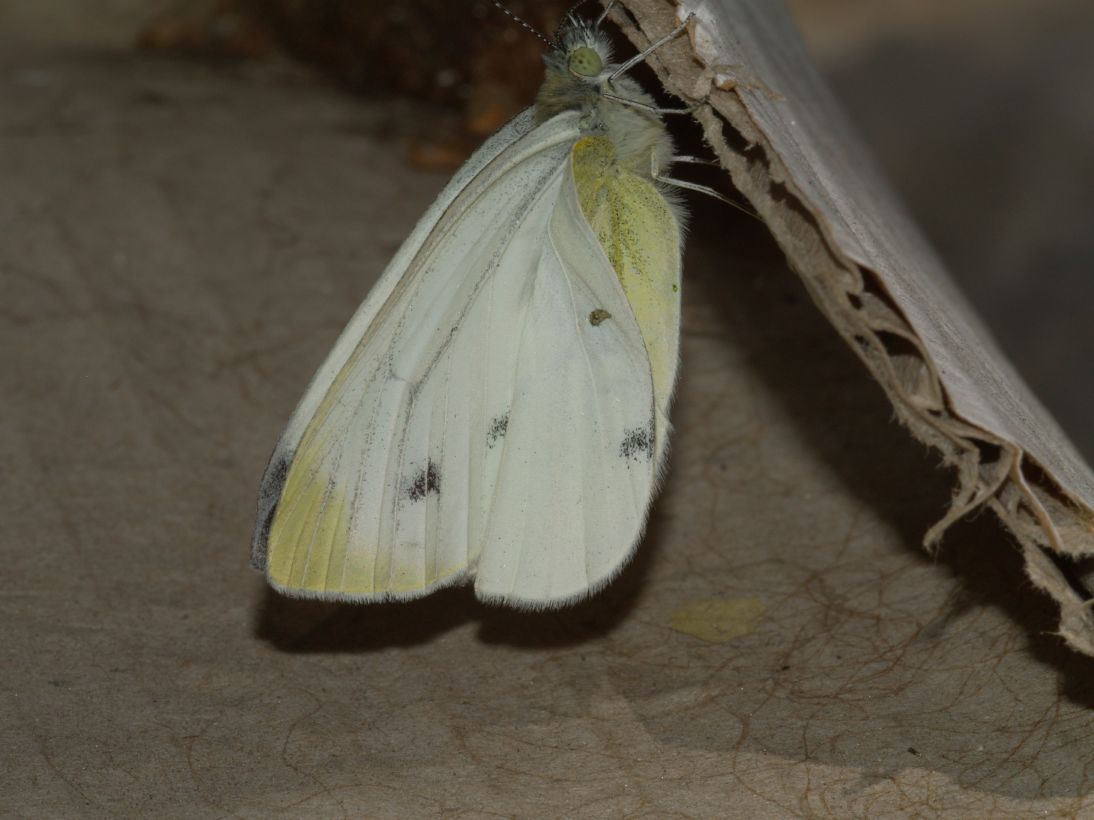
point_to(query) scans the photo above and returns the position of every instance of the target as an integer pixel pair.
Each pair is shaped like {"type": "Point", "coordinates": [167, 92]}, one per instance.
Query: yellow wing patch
{"type": "Point", "coordinates": [309, 548]}
{"type": "Point", "coordinates": [641, 237]}
{"type": "Point", "coordinates": [308, 538]}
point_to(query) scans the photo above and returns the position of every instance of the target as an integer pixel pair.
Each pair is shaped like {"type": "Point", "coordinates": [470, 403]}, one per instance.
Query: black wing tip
{"type": "Point", "coordinates": [269, 497]}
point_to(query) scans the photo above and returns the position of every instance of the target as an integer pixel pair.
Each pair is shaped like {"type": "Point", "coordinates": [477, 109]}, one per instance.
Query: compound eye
{"type": "Point", "coordinates": [585, 62]}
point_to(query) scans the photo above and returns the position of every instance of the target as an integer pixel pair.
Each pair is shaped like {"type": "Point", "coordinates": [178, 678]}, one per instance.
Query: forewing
{"type": "Point", "coordinates": [383, 481]}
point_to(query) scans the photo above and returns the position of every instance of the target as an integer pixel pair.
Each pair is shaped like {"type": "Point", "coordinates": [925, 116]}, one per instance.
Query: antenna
{"type": "Point", "coordinates": [573, 8]}
{"type": "Point", "coordinates": [569, 16]}
{"type": "Point", "coordinates": [604, 13]}
{"type": "Point", "coordinates": [524, 23]}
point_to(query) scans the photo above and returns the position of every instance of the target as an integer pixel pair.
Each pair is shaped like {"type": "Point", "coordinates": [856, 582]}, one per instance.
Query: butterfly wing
{"type": "Point", "coordinates": [473, 418]}
{"type": "Point", "coordinates": [611, 228]}
{"type": "Point", "coordinates": [579, 468]}
{"type": "Point", "coordinates": [330, 511]}
{"type": "Point", "coordinates": [274, 478]}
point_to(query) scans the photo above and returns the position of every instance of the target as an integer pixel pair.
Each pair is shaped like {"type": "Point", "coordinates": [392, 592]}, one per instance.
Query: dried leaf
{"type": "Point", "coordinates": [777, 129]}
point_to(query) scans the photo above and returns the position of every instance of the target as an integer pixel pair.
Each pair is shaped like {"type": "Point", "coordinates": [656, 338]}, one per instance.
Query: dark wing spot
{"type": "Point", "coordinates": [498, 428]}
{"type": "Point", "coordinates": [637, 444]}
{"type": "Point", "coordinates": [278, 473]}
{"type": "Point", "coordinates": [261, 546]}
{"type": "Point", "coordinates": [424, 482]}
{"type": "Point", "coordinates": [269, 498]}
{"type": "Point", "coordinates": [598, 316]}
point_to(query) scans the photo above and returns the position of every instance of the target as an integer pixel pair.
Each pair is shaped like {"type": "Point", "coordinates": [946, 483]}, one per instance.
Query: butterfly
{"type": "Point", "coordinates": [497, 409]}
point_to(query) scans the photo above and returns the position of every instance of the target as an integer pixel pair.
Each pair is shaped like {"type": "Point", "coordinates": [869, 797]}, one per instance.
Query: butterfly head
{"type": "Point", "coordinates": [582, 51]}
{"type": "Point", "coordinates": [579, 64]}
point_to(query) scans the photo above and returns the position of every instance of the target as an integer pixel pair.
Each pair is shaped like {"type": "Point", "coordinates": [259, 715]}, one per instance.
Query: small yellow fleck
{"type": "Point", "coordinates": [718, 620]}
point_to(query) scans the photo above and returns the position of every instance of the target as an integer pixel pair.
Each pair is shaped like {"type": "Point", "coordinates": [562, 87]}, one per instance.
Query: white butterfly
{"type": "Point", "coordinates": [497, 408]}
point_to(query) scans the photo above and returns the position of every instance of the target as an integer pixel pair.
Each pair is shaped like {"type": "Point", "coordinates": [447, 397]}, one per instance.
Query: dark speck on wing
{"type": "Point", "coordinates": [498, 428]}
{"type": "Point", "coordinates": [637, 444]}
{"type": "Point", "coordinates": [424, 482]}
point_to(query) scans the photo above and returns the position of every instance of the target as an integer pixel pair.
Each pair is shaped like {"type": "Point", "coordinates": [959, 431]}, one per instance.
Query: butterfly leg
{"type": "Point", "coordinates": [695, 160]}
{"type": "Point", "coordinates": [657, 176]}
